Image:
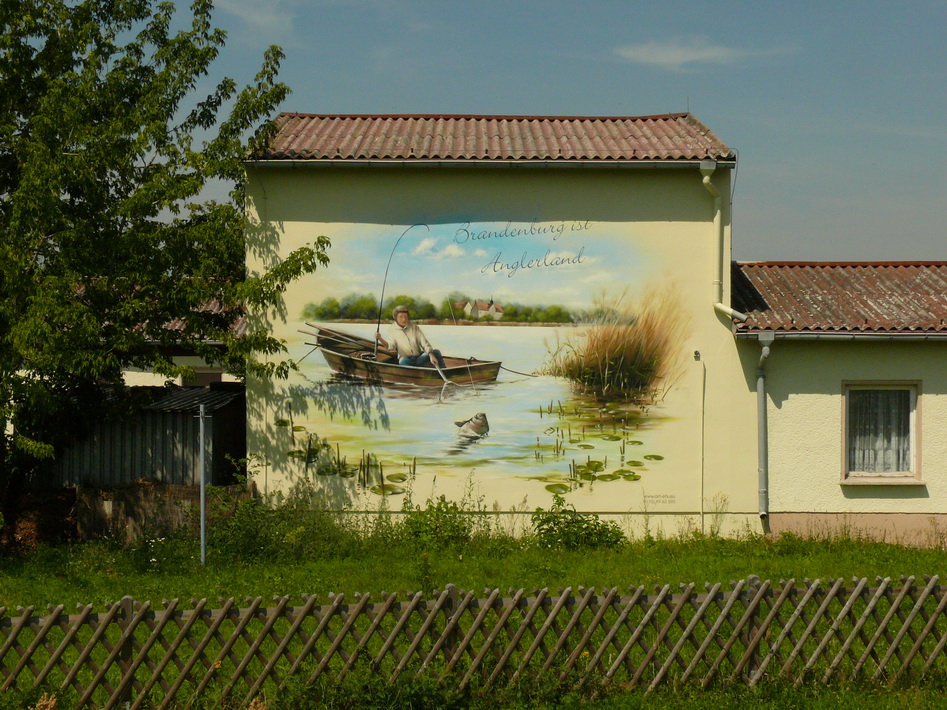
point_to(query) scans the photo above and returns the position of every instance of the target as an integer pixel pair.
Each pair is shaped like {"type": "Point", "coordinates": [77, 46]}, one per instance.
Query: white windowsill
{"type": "Point", "coordinates": [882, 481]}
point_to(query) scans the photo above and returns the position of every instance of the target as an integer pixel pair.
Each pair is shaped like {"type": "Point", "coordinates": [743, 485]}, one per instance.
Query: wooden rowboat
{"type": "Point", "coordinates": [354, 356]}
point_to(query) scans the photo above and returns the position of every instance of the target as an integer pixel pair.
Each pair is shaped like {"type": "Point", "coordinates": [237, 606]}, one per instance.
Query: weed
{"type": "Point", "coordinates": [440, 523]}
{"type": "Point", "coordinates": [562, 527]}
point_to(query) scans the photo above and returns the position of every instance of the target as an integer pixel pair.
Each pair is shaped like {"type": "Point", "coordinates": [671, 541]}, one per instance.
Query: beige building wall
{"type": "Point", "coordinates": [805, 384]}
{"type": "Point", "coordinates": [667, 215]}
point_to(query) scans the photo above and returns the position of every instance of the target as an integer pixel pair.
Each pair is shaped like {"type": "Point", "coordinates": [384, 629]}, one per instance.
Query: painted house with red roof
{"type": "Point", "coordinates": [480, 309]}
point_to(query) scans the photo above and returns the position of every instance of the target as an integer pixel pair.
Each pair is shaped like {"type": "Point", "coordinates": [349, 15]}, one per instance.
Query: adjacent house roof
{"type": "Point", "coordinates": [190, 399]}
{"type": "Point", "coordinates": [569, 139]}
{"type": "Point", "coordinates": [858, 298]}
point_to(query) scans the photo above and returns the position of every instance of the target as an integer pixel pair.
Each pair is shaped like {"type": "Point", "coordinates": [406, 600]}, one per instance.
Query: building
{"type": "Point", "coordinates": [480, 309]}
{"type": "Point", "coordinates": [627, 219]}
{"type": "Point", "coordinates": [851, 365]}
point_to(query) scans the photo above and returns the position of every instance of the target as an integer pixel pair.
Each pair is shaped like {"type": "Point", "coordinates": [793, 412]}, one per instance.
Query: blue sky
{"type": "Point", "coordinates": [542, 263]}
{"type": "Point", "coordinates": [838, 109]}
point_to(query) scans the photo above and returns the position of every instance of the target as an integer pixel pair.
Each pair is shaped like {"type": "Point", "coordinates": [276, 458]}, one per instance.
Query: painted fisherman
{"type": "Point", "coordinates": [406, 338]}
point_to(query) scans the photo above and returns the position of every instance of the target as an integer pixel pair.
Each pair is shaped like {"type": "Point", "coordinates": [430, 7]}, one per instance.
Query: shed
{"type": "Point", "coordinates": [160, 442]}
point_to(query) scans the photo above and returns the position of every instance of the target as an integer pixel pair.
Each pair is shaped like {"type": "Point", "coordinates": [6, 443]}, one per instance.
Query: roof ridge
{"type": "Point", "coordinates": [485, 117]}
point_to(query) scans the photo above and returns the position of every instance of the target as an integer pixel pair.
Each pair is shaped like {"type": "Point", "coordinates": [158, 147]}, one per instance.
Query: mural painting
{"type": "Point", "coordinates": [508, 361]}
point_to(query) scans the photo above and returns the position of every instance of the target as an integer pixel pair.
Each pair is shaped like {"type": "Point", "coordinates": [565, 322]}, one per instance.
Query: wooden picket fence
{"type": "Point", "coordinates": [748, 632]}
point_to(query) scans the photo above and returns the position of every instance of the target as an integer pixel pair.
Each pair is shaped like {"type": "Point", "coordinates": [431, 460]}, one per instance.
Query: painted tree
{"type": "Point", "coordinates": [106, 148]}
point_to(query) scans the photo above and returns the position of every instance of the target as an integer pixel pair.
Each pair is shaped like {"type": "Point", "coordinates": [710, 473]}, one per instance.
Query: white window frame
{"type": "Point", "coordinates": [910, 477]}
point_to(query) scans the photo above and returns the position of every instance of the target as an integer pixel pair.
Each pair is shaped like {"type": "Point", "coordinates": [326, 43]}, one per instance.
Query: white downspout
{"type": "Point", "coordinates": [707, 168]}
{"type": "Point", "coordinates": [762, 428]}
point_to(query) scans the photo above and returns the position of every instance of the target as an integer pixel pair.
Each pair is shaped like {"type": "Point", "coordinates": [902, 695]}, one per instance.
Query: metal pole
{"type": "Point", "coordinates": [203, 489]}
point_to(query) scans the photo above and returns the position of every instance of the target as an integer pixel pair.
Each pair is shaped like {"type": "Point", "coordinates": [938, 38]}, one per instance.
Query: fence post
{"type": "Point", "coordinates": [450, 641]}
{"type": "Point", "coordinates": [125, 652]}
{"type": "Point", "coordinates": [753, 663]}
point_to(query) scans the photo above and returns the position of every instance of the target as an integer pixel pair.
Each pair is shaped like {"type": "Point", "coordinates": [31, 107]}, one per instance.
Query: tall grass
{"type": "Point", "coordinates": [293, 545]}
{"type": "Point", "coordinates": [624, 348]}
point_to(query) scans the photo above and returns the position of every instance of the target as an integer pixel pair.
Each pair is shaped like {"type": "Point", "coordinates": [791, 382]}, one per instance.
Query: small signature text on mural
{"type": "Point", "coordinates": [661, 499]}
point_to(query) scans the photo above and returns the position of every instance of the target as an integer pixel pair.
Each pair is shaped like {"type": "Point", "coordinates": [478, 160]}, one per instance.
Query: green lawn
{"type": "Point", "coordinates": [294, 549]}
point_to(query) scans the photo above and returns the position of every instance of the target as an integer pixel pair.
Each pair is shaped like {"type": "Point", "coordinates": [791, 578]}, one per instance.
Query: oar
{"type": "Point", "coordinates": [339, 335]}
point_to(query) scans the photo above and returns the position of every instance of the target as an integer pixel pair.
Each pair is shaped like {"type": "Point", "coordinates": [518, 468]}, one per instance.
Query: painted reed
{"type": "Point", "coordinates": [624, 348]}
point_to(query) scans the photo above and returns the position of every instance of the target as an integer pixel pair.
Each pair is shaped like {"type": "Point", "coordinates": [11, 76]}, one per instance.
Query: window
{"type": "Point", "coordinates": [881, 432]}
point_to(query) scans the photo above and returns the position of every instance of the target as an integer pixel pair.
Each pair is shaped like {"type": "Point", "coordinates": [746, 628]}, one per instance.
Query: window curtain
{"type": "Point", "coordinates": [879, 430]}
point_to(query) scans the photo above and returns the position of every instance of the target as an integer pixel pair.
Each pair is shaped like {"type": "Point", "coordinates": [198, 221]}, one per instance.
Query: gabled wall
{"type": "Point", "coordinates": [633, 232]}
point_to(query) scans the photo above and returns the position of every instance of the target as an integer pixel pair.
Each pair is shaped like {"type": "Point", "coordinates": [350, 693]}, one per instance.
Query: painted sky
{"type": "Point", "coordinates": [539, 263]}
{"type": "Point", "coordinates": [837, 109]}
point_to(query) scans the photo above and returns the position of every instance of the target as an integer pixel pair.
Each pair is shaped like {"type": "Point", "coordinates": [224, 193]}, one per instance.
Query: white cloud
{"type": "Point", "coordinates": [425, 247]}
{"type": "Point", "coordinates": [480, 253]}
{"type": "Point", "coordinates": [273, 20]}
{"type": "Point", "coordinates": [451, 251]}
{"type": "Point", "coordinates": [681, 55]}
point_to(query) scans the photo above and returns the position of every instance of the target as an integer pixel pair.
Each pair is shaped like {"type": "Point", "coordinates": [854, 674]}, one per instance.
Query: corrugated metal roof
{"type": "Point", "coordinates": [850, 297]}
{"type": "Point", "coordinates": [670, 137]}
{"type": "Point", "coordinates": [189, 399]}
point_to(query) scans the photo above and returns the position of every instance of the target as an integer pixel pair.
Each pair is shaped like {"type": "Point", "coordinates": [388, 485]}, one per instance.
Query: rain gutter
{"type": "Point", "coordinates": [484, 163]}
{"type": "Point", "coordinates": [707, 169]}
{"type": "Point", "coordinates": [778, 335]}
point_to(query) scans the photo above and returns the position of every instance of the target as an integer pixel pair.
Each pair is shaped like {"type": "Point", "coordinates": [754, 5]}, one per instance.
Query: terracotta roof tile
{"type": "Point", "coordinates": [669, 137]}
{"type": "Point", "coordinates": [850, 297]}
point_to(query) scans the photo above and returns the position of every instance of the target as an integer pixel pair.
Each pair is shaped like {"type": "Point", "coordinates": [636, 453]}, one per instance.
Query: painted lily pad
{"type": "Point", "coordinates": [558, 488]}
{"type": "Point", "coordinates": [574, 440]}
{"type": "Point", "coordinates": [296, 454]}
{"type": "Point", "coordinates": [397, 477]}
{"type": "Point", "coordinates": [586, 446]}
{"type": "Point", "coordinates": [299, 427]}
{"type": "Point", "coordinates": [654, 457]}
{"type": "Point", "coordinates": [281, 422]}
{"type": "Point", "coordinates": [587, 476]}
{"type": "Point", "coordinates": [595, 466]}
{"type": "Point", "coordinates": [622, 472]}
{"type": "Point", "coordinates": [632, 477]}
{"type": "Point", "coordinates": [610, 437]}
{"type": "Point", "coordinates": [348, 471]}
{"type": "Point", "coordinates": [387, 489]}
{"type": "Point", "coordinates": [635, 463]}
{"type": "Point", "coordinates": [632, 442]}
{"type": "Point", "coordinates": [608, 477]}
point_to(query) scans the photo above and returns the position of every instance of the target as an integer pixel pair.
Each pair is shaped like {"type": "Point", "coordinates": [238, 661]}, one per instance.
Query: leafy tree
{"type": "Point", "coordinates": [358, 305]}
{"type": "Point", "coordinates": [450, 312]}
{"type": "Point", "coordinates": [420, 308]}
{"type": "Point", "coordinates": [555, 314]}
{"type": "Point", "coordinates": [327, 310]}
{"type": "Point", "coordinates": [109, 255]}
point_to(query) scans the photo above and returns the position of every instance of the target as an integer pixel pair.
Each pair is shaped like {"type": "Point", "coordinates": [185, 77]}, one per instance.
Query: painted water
{"type": "Point", "coordinates": [543, 437]}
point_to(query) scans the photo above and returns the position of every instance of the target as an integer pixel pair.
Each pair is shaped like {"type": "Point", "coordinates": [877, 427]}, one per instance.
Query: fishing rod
{"type": "Point", "coordinates": [384, 283]}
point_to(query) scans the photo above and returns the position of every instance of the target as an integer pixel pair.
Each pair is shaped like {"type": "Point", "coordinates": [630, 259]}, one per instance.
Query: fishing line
{"type": "Point", "coordinates": [384, 283]}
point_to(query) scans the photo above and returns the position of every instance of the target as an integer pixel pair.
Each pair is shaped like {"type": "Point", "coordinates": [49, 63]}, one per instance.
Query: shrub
{"type": "Point", "coordinates": [562, 527]}
{"type": "Point", "coordinates": [440, 523]}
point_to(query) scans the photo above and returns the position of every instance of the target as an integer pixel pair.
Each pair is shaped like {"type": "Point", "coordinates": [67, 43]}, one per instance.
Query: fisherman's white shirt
{"type": "Point", "coordinates": [408, 341]}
